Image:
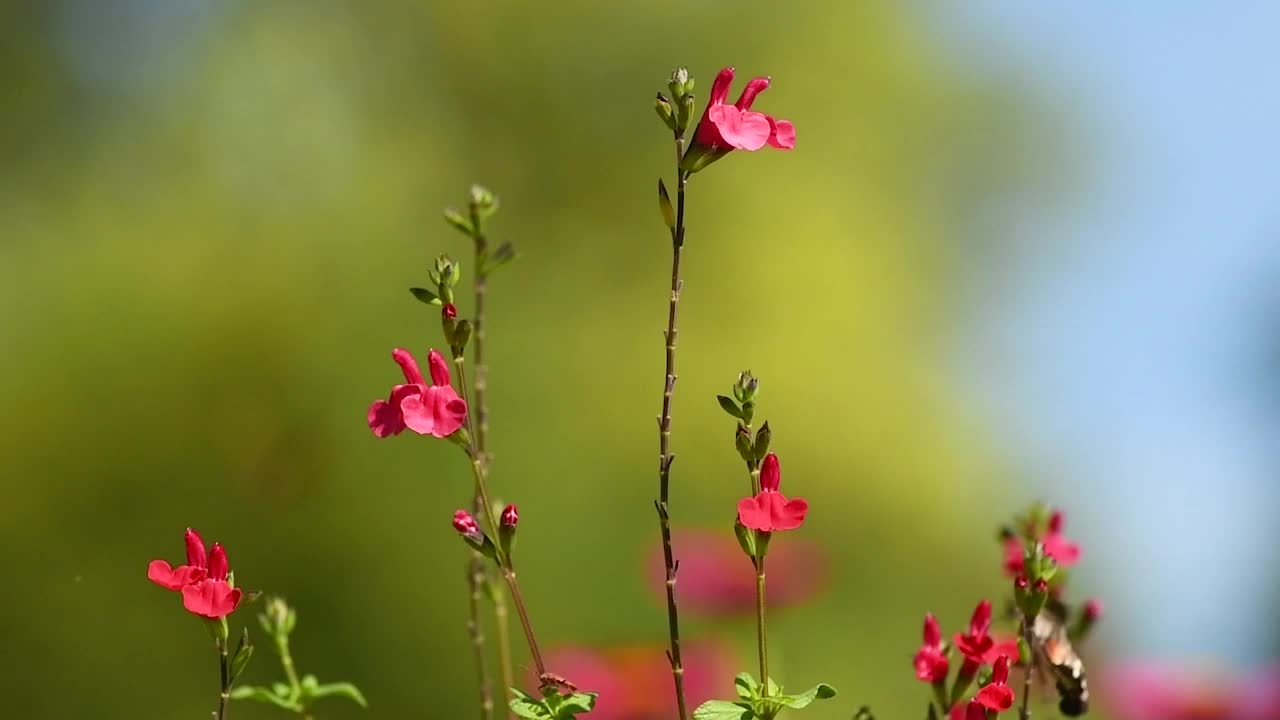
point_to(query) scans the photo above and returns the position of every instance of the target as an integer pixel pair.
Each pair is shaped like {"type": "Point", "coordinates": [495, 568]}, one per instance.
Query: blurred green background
{"type": "Point", "coordinates": [210, 212]}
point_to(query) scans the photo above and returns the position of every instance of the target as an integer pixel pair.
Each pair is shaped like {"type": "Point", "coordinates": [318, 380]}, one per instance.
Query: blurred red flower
{"type": "Point", "coordinates": [1065, 552]}
{"type": "Point", "coordinates": [978, 646]}
{"type": "Point", "coordinates": [634, 681]}
{"type": "Point", "coordinates": [1161, 691]}
{"type": "Point", "coordinates": [930, 661]}
{"type": "Point", "coordinates": [997, 695]}
{"type": "Point", "coordinates": [715, 578]}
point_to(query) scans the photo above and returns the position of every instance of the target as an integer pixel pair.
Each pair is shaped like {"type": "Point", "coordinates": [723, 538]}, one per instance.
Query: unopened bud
{"type": "Point", "coordinates": [447, 272]}
{"type": "Point", "coordinates": [449, 311]}
{"type": "Point", "coordinates": [461, 335]}
{"type": "Point", "coordinates": [510, 516]}
{"type": "Point", "coordinates": [664, 205]}
{"type": "Point", "coordinates": [507, 528]}
{"type": "Point", "coordinates": [746, 387]}
{"type": "Point", "coordinates": [742, 441]}
{"type": "Point", "coordinates": [665, 111]}
{"type": "Point", "coordinates": [465, 523]}
{"type": "Point", "coordinates": [761, 446]}
{"type": "Point", "coordinates": [482, 201]}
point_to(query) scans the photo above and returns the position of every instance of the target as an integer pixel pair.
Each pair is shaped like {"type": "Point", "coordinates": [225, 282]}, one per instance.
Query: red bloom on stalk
{"type": "Point", "coordinates": [997, 695]}
{"type": "Point", "coordinates": [202, 581]}
{"type": "Point", "coordinates": [1063, 551]}
{"type": "Point", "coordinates": [425, 409]}
{"type": "Point", "coordinates": [977, 646]}
{"type": "Point", "coordinates": [725, 127]}
{"type": "Point", "coordinates": [770, 510]}
{"type": "Point", "coordinates": [930, 661]}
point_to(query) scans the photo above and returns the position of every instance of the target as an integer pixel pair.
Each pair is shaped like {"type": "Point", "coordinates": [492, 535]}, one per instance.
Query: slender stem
{"type": "Point", "coordinates": [480, 473]}
{"type": "Point", "coordinates": [502, 620]}
{"type": "Point", "coordinates": [286, 663]}
{"type": "Point", "coordinates": [475, 569]}
{"type": "Point", "coordinates": [665, 457]}
{"type": "Point", "coordinates": [481, 387]}
{"type": "Point", "coordinates": [1024, 712]}
{"type": "Point", "coordinates": [224, 666]}
{"type": "Point", "coordinates": [762, 643]}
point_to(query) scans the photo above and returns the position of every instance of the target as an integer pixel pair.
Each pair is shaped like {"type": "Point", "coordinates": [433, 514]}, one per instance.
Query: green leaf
{"type": "Point", "coordinates": [241, 661]}
{"type": "Point", "coordinates": [340, 689]}
{"type": "Point", "coordinates": [459, 222]}
{"type": "Point", "coordinates": [821, 691]}
{"type": "Point", "coordinates": [425, 295]}
{"type": "Point", "coordinates": [730, 406]}
{"type": "Point", "coordinates": [746, 686]}
{"type": "Point", "coordinates": [529, 706]}
{"type": "Point", "coordinates": [504, 254]}
{"type": "Point", "coordinates": [570, 705]}
{"type": "Point", "coordinates": [723, 710]}
{"type": "Point", "coordinates": [263, 695]}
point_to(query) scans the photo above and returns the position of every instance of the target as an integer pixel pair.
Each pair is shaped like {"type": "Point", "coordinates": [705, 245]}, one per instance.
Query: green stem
{"type": "Point", "coordinates": [286, 663]}
{"type": "Point", "coordinates": [224, 666]}
{"type": "Point", "coordinates": [761, 630]}
{"type": "Point", "coordinates": [1024, 712]}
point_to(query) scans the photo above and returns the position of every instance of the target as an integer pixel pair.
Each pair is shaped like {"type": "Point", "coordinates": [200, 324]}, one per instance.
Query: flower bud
{"type": "Point", "coordinates": [665, 111]}
{"type": "Point", "coordinates": [461, 335]}
{"type": "Point", "coordinates": [447, 271]}
{"type": "Point", "coordinates": [195, 549]}
{"type": "Point", "coordinates": [465, 523]}
{"type": "Point", "coordinates": [742, 441]}
{"type": "Point", "coordinates": [449, 311]}
{"type": "Point", "coordinates": [482, 201]}
{"type": "Point", "coordinates": [761, 446]}
{"type": "Point", "coordinates": [770, 473]}
{"type": "Point", "coordinates": [746, 387]}
{"type": "Point", "coordinates": [1089, 616]}
{"type": "Point", "coordinates": [1092, 610]}
{"type": "Point", "coordinates": [510, 516]}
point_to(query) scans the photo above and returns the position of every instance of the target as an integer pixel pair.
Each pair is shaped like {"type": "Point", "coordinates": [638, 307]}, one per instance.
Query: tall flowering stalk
{"type": "Point", "coordinates": [721, 129]}
{"type": "Point", "coordinates": [439, 410]}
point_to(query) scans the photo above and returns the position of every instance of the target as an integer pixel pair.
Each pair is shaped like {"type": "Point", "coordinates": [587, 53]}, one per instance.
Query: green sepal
{"type": "Point", "coordinates": [742, 441]}
{"type": "Point", "coordinates": [760, 447]}
{"type": "Point", "coordinates": [240, 659]}
{"type": "Point", "coordinates": [664, 205]}
{"type": "Point", "coordinates": [665, 111]}
{"type": "Point", "coordinates": [748, 411]}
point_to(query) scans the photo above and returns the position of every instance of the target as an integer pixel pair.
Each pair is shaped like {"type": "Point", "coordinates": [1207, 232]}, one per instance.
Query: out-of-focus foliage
{"type": "Point", "coordinates": [210, 214]}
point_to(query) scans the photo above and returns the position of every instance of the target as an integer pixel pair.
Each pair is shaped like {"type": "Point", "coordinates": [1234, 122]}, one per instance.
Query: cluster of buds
{"type": "Point", "coordinates": [469, 530]}
{"type": "Point", "coordinates": [742, 406]}
{"type": "Point", "coordinates": [676, 112]}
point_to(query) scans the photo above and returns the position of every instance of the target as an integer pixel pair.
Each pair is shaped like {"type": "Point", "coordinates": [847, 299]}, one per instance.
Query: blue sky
{"type": "Point", "coordinates": [1137, 364]}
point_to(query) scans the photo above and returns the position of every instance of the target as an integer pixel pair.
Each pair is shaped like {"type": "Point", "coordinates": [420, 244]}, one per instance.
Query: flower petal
{"type": "Point", "coordinates": [787, 514]}
{"type": "Point", "coordinates": [720, 87]}
{"type": "Point", "coordinates": [754, 87]}
{"type": "Point", "coordinates": [409, 366]}
{"type": "Point", "coordinates": [996, 697]}
{"type": "Point", "coordinates": [439, 368]}
{"type": "Point", "coordinates": [753, 512]}
{"type": "Point", "coordinates": [211, 598]}
{"type": "Point", "coordinates": [171, 578]}
{"type": "Point", "coordinates": [745, 130]}
{"type": "Point", "coordinates": [782, 134]}
{"type": "Point", "coordinates": [770, 473]}
{"type": "Point", "coordinates": [386, 418]}
{"type": "Point", "coordinates": [436, 411]}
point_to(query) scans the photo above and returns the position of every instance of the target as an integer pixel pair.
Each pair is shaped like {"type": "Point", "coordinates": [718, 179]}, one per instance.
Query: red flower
{"type": "Point", "coordinates": [930, 661]}
{"type": "Point", "coordinates": [1056, 546]}
{"type": "Point", "coordinates": [973, 710]}
{"type": "Point", "coordinates": [997, 695]}
{"type": "Point", "coordinates": [770, 510]}
{"type": "Point", "coordinates": [425, 409]}
{"type": "Point", "coordinates": [725, 127]}
{"type": "Point", "coordinates": [977, 646]}
{"type": "Point", "coordinates": [710, 582]}
{"type": "Point", "coordinates": [202, 581]}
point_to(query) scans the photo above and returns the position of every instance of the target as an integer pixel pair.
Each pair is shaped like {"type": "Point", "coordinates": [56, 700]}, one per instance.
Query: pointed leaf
{"type": "Point", "coordinates": [746, 686]}
{"type": "Point", "coordinates": [504, 254]}
{"type": "Point", "coordinates": [722, 710]}
{"type": "Point", "coordinates": [263, 695]}
{"type": "Point", "coordinates": [571, 705]}
{"type": "Point", "coordinates": [821, 691]}
{"type": "Point", "coordinates": [425, 295]}
{"type": "Point", "coordinates": [730, 406]}
{"type": "Point", "coordinates": [528, 706]}
{"type": "Point", "coordinates": [459, 221]}
{"type": "Point", "coordinates": [341, 689]}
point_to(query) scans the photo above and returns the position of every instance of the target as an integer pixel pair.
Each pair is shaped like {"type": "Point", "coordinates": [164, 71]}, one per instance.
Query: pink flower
{"type": "Point", "coordinates": [1158, 691]}
{"type": "Point", "coordinates": [711, 581]}
{"type": "Point", "coordinates": [997, 695]}
{"type": "Point", "coordinates": [1065, 552]}
{"type": "Point", "coordinates": [725, 127]}
{"type": "Point", "coordinates": [770, 510]}
{"type": "Point", "coordinates": [202, 581]}
{"type": "Point", "coordinates": [1092, 610]}
{"type": "Point", "coordinates": [978, 646]}
{"type": "Point", "coordinates": [425, 409]}
{"type": "Point", "coordinates": [930, 661]}
{"type": "Point", "coordinates": [634, 681]}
